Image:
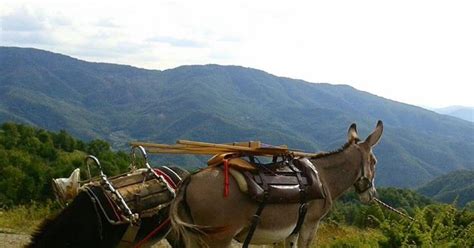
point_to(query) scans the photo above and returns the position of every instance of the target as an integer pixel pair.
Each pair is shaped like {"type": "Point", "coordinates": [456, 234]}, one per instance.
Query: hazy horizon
{"type": "Point", "coordinates": [412, 52]}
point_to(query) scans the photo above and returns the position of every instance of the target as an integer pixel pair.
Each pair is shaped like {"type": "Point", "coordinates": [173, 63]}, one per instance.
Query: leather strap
{"type": "Point", "coordinates": [301, 216]}
{"type": "Point", "coordinates": [302, 186]}
{"type": "Point", "coordinates": [255, 221]}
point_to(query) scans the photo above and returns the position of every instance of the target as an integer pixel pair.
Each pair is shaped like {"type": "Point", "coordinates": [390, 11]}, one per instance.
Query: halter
{"type": "Point", "coordinates": [363, 183]}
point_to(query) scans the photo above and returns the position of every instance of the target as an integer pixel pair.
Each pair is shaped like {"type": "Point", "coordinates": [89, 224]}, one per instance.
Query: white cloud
{"type": "Point", "coordinates": [177, 42]}
{"type": "Point", "coordinates": [418, 52]}
{"type": "Point", "coordinates": [22, 19]}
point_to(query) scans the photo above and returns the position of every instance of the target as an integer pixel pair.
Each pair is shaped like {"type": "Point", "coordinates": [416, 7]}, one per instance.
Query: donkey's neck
{"type": "Point", "coordinates": [46, 232]}
{"type": "Point", "coordinates": [79, 217]}
{"type": "Point", "coordinates": [339, 170]}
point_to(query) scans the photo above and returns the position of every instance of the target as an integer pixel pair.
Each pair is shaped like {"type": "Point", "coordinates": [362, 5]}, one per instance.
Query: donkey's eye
{"type": "Point", "coordinates": [373, 160]}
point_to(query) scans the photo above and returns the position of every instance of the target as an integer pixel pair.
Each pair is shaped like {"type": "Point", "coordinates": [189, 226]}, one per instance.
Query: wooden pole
{"type": "Point", "coordinates": [205, 144]}
{"type": "Point", "coordinates": [204, 148]}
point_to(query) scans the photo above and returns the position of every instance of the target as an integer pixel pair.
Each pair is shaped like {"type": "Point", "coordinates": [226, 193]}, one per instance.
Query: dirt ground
{"type": "Point", "coordinates": [13, 240]}
{"type": "Point", "coordinates": [9, 240]}
{"type": "Point", "coordinates": [19, 240]}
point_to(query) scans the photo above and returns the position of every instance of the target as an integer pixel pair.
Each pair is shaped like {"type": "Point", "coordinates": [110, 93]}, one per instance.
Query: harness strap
{"type": "Point", "coordinates": [255, 221]}
{"type": "Point", "coordinates": [302, 187]}
{"type": "Point", "coordinates": [114, 207]}
{"type": "Point", "coordinates": [99, 219]}
{"type": "Point", "coordinates": [173, 184]}
{"type": "Point", "coordinates": [152, 233]}
{"type": "Point", "coordinates": [303, 200]}
{"type": "Point", "coordinates": [97, 202]}
{"type": "Point", "coordinates": [301, 216]}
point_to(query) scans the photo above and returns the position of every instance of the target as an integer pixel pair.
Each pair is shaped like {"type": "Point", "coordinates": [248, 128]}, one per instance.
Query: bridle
{"type": "Point", "coordinates": [363, 183]}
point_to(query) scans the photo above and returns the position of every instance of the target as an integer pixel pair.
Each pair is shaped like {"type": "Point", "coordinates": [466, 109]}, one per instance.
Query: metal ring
{"type": "Point", "coordinates": [97, 163]}
{"type": "Point", "coordinates": [142, 151]}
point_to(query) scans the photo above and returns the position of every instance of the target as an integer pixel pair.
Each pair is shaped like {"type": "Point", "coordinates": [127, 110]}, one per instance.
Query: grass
{"type": "Point", "coordinates": [335, 235]}
{"type": "Point", "coordinates": [24, 219]}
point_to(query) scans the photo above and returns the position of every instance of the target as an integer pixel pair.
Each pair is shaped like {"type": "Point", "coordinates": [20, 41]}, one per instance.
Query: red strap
{"type": "Point", "coordinates": [166, 177]}
{"type": "Point", "coordinates": [226, 177]}
{"type": "Point", "coordinates": [167, 221]}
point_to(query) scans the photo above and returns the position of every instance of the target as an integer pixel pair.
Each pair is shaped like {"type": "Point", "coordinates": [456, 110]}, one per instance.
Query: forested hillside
{"type": "Point", "coordinates": [455, 186]}
{"type": "Point", "coordinates": [215, 103]}
{"type": "Point", "coordinates": [31, 157]}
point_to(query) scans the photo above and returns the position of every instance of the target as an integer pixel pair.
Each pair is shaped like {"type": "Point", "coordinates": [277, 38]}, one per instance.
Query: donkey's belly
{"type": "Point", "coordinates": [277, 234]}
{"type": "Point", "coordinates": [277, 223]}
{"type": "Point", "coordinates": [266, 236]}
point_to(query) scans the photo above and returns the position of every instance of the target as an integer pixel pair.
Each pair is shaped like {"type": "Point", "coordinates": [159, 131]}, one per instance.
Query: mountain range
{"type": "Point", "coordinates": [462, 112]}
{"type": "Point", "coordinates": [214, 103]}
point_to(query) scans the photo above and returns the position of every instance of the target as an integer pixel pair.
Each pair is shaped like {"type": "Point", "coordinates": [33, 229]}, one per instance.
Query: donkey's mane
{"type": "Point", "coordinates": [326, 154]}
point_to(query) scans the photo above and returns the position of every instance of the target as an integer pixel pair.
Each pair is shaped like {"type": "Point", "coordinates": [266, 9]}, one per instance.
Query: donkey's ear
{"type": "Point", "coordinates": [352, 136]}
{"type": "Point", "coordinates": [374, 137]}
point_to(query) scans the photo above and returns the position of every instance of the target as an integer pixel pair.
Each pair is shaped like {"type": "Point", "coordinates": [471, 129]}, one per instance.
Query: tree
{"type": "Point", "coordinates": [32, 157]}
{"type": "Point", "coordinates": [97, 147]}
{"type": "Point", "coordinates": [64, 141]}
{"type": "Point", "coordinates": [10, 135]}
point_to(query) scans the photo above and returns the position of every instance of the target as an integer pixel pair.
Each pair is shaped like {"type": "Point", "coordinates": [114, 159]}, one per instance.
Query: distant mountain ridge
{"type": "Point", "coordinates": [223, 104]}
{"type": "Point", "coordinates": [457, 185]}
{"type": "Point", "coordinates": [462, 112]}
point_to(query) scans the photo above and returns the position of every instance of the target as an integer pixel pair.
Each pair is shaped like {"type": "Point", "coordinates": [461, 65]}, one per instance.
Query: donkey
{"type": "Point", "coordinates": [82, 224]}
{"type": "Point", "coordinates": [202, 217]}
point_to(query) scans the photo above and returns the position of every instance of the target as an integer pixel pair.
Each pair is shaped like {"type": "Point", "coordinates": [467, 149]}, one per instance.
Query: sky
{"type": "Point", "coordinates": [419, 52]}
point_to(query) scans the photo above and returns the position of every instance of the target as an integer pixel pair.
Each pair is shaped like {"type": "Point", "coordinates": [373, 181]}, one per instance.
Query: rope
{"type": "Point", "coordinates": [393, 209]}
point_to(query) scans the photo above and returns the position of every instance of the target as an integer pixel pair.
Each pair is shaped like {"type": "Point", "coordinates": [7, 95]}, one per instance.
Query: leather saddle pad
{"type": "Point", "coordinates": [295, 182]}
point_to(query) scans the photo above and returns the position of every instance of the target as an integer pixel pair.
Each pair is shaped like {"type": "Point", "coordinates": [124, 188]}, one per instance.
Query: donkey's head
{"type": "Point", "coordinates": [364, 185]}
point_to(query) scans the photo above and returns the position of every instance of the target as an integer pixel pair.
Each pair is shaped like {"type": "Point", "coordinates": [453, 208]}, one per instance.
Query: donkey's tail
{"type": "Point", "coordinates": [179, 207]}
{"type": "Point", "coordinates": [181, 219]}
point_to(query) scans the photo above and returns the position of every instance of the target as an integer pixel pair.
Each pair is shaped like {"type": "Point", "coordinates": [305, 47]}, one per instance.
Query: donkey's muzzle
{"type": "Point", "coordinates": [362, 184]}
